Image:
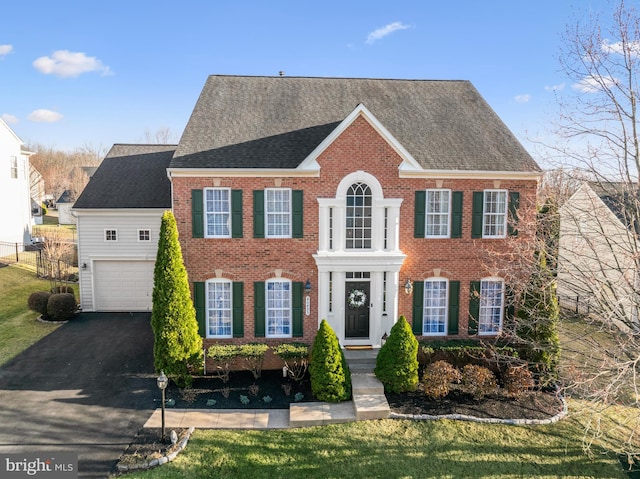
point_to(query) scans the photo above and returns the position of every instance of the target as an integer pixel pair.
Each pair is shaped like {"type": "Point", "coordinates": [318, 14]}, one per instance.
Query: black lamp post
{"type": "Point", "coordinates": [162, 380]}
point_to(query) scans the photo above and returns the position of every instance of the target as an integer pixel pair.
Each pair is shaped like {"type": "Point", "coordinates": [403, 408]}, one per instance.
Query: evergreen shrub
{"type": "Point", "coordinates": [38, 302]}
{"type": "Point", "coordinates": [330, 375]}
{"type": "Point", "coordinates": [61, 307]}
{"type": "Point", "coordinates": [397, 361]}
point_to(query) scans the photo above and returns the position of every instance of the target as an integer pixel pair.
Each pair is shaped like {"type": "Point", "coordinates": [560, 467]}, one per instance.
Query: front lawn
{"type": "Point", "coordinates": [391, 449]}
{"type": "Point", "coordinates": [18, 326]}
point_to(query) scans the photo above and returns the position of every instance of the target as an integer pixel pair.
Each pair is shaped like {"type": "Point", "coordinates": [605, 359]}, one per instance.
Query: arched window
{"type": "Point", "coordinates": [358, 220]}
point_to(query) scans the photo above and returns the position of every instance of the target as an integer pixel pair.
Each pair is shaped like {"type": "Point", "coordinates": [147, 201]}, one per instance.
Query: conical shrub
{"type": "Point", "coordinates": [330, 376]}
{"type": "Point", "coordinates": [397, 361]}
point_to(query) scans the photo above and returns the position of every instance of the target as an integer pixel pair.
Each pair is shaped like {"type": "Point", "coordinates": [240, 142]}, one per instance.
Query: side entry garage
{"type": "Point", "coordinates": [123, 285]}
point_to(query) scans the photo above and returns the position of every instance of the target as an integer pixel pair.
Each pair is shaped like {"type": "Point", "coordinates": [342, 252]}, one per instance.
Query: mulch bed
{"type": "Point", "coordinates": [270, 391]}
{"type": "Point", "coordinates": [533, 405]}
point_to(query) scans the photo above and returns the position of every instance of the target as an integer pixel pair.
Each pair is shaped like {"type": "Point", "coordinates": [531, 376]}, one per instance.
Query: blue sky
{"type": "Point", "coordinates": [97, 73]}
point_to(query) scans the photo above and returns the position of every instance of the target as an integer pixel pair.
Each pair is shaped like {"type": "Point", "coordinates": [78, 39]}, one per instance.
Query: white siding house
{"type": "Point", "coordinates": [119, 225]}
{"type": "Point", "coordinates": [597, 262]}
{"type": "Point", "coordinates": [15, 198]}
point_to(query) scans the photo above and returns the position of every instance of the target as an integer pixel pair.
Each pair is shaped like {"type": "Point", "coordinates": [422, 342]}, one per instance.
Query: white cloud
{"type": "Point", "coordinates": [386, 30]}
{"type": "Point", "coordinates": [66, 64]}
{"type": "Point", "coordinates": [5, 50]}
{"type": "Point", "coordinates": [633, 48]}
{"type": "Point", "coordinates": [558, 87]}
{"type": "Point", "coordinates": [593, 85]}
{"type": "Point", "coordinates": [9, 119]}
{"type": "Point", "coordinates": [44, 116]}
{"type": "Point", "coordinates": [523, 98]}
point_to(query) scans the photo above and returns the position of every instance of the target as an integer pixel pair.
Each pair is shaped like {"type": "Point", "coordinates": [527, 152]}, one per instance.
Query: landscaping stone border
{"type": "Point", "coordinates": [161, 460]}
{"type": "Point", "coordinates": [462, 417]}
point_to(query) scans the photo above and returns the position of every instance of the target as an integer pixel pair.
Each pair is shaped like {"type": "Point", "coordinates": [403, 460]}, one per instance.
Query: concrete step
{"type": "Point", "coordinates": [371, 406]}
{"type": "Point", "coordinates": [307, 414]}
{"type": "Point", "coordinates": [365, 383]}
{"type": "Point", "coordinates": [364, 366]}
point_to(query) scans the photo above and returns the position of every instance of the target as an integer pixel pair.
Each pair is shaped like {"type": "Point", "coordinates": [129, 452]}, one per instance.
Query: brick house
{"type": "Point", "coordinates": [351, 200]}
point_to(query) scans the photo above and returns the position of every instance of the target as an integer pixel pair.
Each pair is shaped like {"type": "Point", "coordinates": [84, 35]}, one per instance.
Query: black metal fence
{"type": "Point", "coordinates": [32, 257]}
{"type": "Point", "coordinates": [576, 304]}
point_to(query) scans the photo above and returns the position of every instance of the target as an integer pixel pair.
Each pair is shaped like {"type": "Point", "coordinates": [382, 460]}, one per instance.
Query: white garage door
{"type": "Point", "coordinates": [123, 285]}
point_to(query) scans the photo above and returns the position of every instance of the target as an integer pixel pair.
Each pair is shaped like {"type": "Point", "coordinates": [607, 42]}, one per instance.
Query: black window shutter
{"type": "Point", "coordinates": [258, 213]}
{"type": "Point", "coordinates": [259, 309]}
{"type": "Point", "coordinates": [297, 216]}
{"type": "Point", "coordinates": [238, 309]}
{"type": "Point", "coordinates": [474, 307]}
{"type": "Point", "coordinates": [454, 307]}
{"type": "Point", "coordinates": [197, 214]}
{"type": "Point", "coordinates": [476, 218]}
{"type": "Point", "coordinates": [420, 212]}
{"type": "Point", "coordinates": [236, 213]}
{"type": "Point", "coordinates": [512, 221]}
{"type": "Point", "coordinates": [296, 310]}
{"type": "Point", "coordinates": [418, 303]}
{"type": "Point", "coordinates": [199, 303]}
{"type": "Point", "coordinates": [456, 214]}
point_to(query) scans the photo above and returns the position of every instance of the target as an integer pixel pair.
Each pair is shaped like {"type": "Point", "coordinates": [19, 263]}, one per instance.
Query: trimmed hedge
{"type": "Point", "coordinates": [61, 307]}
{"type": "Point", "coordinates": [397, 361]}
{"type": "Point", "coordinates": [330, 376]}
{"type": "Point", "coordinates": [38, 302]}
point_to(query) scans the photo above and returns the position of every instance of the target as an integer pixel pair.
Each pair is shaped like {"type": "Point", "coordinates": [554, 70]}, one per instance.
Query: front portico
{"type": "Point", "coordinates": [359, 261]}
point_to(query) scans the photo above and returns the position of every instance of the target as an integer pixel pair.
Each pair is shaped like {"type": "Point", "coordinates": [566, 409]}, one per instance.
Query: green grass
{"type": "Point", "coordinates": [18, 326]}
{"type": "Point", "coordinates": [391, 449]}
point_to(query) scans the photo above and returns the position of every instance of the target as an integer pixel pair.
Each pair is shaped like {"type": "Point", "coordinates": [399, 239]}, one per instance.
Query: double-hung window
{"type": "Point", "coordinates": [278, 212]}
{"type": "Point", "coordinates": [434, 318]}
{"type": "Point", "coordinates": [491, 306]}
{"type": "Point", "coordinates": [278, 308]}
{"type": "Point", "coordinates": [14, 167]}
{"type": "Point", "coordinates": [218, 212]}
{"type": "Point", "coordinates": [219, 309]}
{"type": "Point", "coordinates": [111, 235]}
{"type": "Point", "coordinates": [437, 213]}
{"type": "Point", "coordinates": [494, 218]}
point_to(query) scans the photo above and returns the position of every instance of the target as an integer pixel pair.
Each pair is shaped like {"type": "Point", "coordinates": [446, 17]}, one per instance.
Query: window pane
{"type": "Point", "coordinates": [218, 212]}
{"type": "Point", "coordinates": [278, 308]}
{"type": "Point", "coordinates": [278, 212]}
{"type": "Point", "coordinates": [437, 217]}
{"type": "Point", "coordinates": [435, 307]}
{"type": "Point", "coordinates": [491, 305]}
{"type": "Point", "coordinates": [495, 213]}
{"type": "Point", "coordinates": [358, 218]}
{"type": "Point", "coordinates": [219, 312]}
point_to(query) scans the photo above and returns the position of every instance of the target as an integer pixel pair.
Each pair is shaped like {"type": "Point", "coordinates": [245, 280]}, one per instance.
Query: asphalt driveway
{"type": "Point", "coordinates": [86, 388]}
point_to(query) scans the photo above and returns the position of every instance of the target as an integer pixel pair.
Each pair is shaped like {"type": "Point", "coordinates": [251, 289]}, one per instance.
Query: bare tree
{"type": "Point", "coordinates": [161, 136]}
{"type": "Point", "coordinates": [599, 251]}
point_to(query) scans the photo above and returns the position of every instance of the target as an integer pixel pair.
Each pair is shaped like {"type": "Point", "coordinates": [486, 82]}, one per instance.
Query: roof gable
{"type": "Point", "coordinates": [130, 176]}
{"type": "Point", "coordinates": [279, 122]}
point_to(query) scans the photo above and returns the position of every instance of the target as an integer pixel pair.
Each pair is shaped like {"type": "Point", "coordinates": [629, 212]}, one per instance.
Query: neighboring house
{"type": "Point", "coordinates": [15, 198]}
{"type": "Point", "coordinates": [597, 257]}
{"type": "Point", "coordinates": [64, 204]}
{"type": "Point", "coordinates": [351, 200]}
{"type": "Point", "coordinates": [36, 189]}
{"type": "Point", "coordinates": [118, 216]}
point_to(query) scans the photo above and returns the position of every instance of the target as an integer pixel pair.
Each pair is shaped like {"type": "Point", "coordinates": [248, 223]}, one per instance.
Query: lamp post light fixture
{"type": "Point", "coordinates": [162, 381]}
{"type": "Point", "coordinates": [408, 287]}
{"type": "Point", "coordinates": [307, 287]}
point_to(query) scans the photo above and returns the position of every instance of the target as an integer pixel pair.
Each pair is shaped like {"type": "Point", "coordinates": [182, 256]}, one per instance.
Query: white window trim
{"type": "Point", "coordinates": [115, 230]}
{"type": "Point", "coordinates": [502, 300]}
{"type": "Point", "coordinates": [140, 240]}
{"type": "Point", "coordinates": [14, 167]}
{"type": "Point", "coordinates": [206, 213]}
{"type": "Point", "coordinates": [266, 308]}
{"type": "Point", "coordinates": [218, 280]}
{"type": "Point", "coordinates": [506, 212]}
{"type": "Point", "coordinates": [266, 213]}
{"type": "Point", "coordinates": [446, 306]}
{"type": "Point", "coordinates": [426, 216]}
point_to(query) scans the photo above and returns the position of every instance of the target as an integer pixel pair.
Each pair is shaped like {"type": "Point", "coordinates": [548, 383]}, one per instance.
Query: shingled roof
{"type": "Point", "coordinates": [130, 176]}
{"type": "Point", "coordinates": [276, 122]}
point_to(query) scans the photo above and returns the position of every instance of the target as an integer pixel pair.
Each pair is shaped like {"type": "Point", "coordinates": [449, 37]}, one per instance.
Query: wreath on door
{"type": "Point", "coordinates": [357, 298]}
